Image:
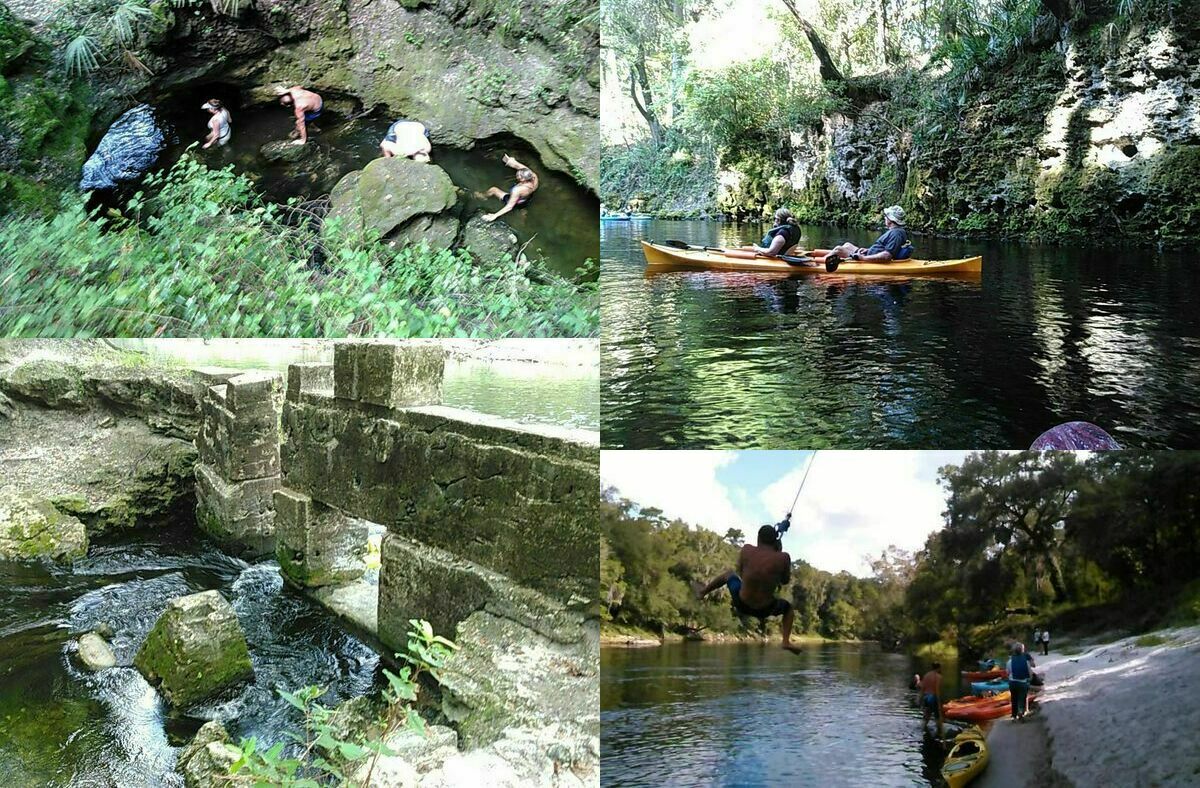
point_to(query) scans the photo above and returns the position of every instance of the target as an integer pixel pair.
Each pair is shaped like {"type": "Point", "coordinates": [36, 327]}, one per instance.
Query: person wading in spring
{"type": "Point", "coordinates": [761, 569]}
{"type": "Point", "coordinates": [305, 105]}
{"type": "Point", "coordinates": [220, 123]}
{"type": "Point", "coordinates": [931, 697]}
{"type": "Point", "coordinates": [518, 196]}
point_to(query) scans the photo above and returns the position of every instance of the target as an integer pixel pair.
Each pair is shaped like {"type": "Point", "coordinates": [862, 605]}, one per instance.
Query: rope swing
{"type": "Point", "coordinates": [782, 527]}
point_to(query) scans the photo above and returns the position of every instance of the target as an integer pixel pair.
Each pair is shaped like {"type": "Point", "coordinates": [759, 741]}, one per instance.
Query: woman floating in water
{"type": "Point", "coordinates": [220, 124]}
{"type": "Point", "coordinates": [518, 196]}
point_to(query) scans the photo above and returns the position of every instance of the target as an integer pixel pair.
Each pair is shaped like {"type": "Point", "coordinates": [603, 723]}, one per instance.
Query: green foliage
{"type": "Point", "coordinates": [676, 182]}
{"type": "Point", "coordinates": [200, 254]}
{"type": "Point", "coordinates": [81, 54]}
{"type": "Point", "coordinates": [324, 753]}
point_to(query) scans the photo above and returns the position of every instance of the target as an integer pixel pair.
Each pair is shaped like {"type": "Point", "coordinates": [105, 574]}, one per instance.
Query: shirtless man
{"type": "Point", "coordinates": [306, 106]}
{"type": "Point", "coordinates": [518, 196]}
{"type": "Point", "coordinates": [761, 570]}
{"type": "Point", "coordinates": [931, 696]}
{"type": "Point", "coordinates": [407, 138]}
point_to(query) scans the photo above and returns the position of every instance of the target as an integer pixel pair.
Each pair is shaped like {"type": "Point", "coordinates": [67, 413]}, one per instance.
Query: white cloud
{"type": "Point", "coordinates": [856, 503]}
{"type": "Point", "coordinates": [681, 483]}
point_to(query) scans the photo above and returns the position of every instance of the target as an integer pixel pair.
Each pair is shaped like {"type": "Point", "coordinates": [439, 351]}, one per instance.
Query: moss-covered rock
{"type": "Point", "coordinates": [386, 195]}
{"type": "Point", "coordinates": [195, 649]}
{"type": "Point", "coordinates": [32, 529]}
{"type": "Point", "coordinates": [204, 762]}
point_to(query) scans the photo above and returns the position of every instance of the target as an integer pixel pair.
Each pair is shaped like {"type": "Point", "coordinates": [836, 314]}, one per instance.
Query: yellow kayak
{"type": "Point", "coordinates": [663, 256]}
{"type": "Point", "coordinates": [967, 759]}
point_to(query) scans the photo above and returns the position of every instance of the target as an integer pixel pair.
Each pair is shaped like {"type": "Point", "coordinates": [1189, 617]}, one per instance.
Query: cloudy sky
{"type": "Point", "coordinates": [853, 505]}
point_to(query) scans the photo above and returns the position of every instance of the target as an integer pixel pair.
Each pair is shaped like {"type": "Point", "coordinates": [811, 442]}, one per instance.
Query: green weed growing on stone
{"type": "Point", "coordinates": [201, 254]}
{"type": "Point", "coordinates": [324, 753]}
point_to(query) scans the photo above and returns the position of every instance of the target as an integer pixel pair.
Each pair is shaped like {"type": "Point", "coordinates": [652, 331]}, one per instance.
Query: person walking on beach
{"type": "Point", "coordinates": [518, 196]}
{"type": "Point", "coordinates": [1020, 672]}
{"type": "Point", "coordinates": [761, 569]}
{"type": "Point", "coordinates": [931, 697]}
{"type": "Point", "coordinates": [305, 105]}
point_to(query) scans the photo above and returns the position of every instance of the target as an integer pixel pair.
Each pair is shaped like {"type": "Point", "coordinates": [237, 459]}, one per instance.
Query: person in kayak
{"type": "Point", "coordinates": [1020, 666]}
{"type": "Point", "coordinates": [220, 124]}
{"type": "Point", "coordinates": [407, 138]}
{"type": "Point", "coordinates": [518, 196]}
{"type": "Point", "coordinates": [931, 697]}
{"type": "Point", "coordinates": [780, 239]}
{"type": "Point", "coordinates": [761, 569]}
{"type": "Point", "coordinates": [306, 106]}
{"type": "Point", "coordinates": [887, 247]}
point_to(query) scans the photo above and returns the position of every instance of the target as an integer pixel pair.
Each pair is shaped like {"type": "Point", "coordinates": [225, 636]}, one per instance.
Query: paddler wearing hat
{"type": "Point", "coordinates": [886, 247]}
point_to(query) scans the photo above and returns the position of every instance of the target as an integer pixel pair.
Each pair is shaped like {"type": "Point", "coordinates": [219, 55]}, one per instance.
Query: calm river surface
{"type": "Point", "coordinates": [750, 715]}
{"type": "Point", "coordinates": [1046, 335]}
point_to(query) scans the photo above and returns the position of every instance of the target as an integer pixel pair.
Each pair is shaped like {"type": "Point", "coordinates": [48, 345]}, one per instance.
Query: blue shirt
{"type": "Point", "coordinates": [891, 241]}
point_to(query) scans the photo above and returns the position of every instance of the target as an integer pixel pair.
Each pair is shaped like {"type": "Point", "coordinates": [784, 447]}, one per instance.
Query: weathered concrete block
{"type": "Point", "coordinates": [317, 545]}
{"type": "Point", "coordinates": [204, 378]}
{"type": "Point", "coordinates": [389, 374]}
{"type": "Point", "coordinates": [251, 388]}
{"type": "Point", "coordinates": [422, 582]}
{"type": "Point", "coordinates": [308, 377]}
{"type": "Point", "coordinates": [239, 515]}
{"type": "Point", "coordinates": [195, 649]}
{"type": "Point", "coordinates": [239, 427]}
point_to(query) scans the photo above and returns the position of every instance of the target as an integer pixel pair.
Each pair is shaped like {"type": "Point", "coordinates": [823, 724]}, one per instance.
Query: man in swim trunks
{"type": "Point", "coordinates": [931, 697]}
{"type": "Point", "coordinates": [887, 247]}
{"type": "Point", "coordinates": [220, 124]}
{"type": "Point", "coordinates": [407, 138]}
{"type": "Point", "coordinates": [306, 106]}
{"type": "Point", "coordinates": [518, 196]}
{"type": "Point", "coordinates": [761, 570]}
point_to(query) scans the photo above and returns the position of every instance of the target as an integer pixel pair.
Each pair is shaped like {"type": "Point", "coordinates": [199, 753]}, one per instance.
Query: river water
{"type": "Point", "coordinates": [61, 725]}
{"type": "Point", "coordinates": [755, 715]}
{"type": "Point", "coordinates": [1046, 335]}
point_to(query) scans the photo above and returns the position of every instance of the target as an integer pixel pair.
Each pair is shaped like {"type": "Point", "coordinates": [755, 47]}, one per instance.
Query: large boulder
{"type": "Point", "coordinates": [195, 649]}
{"type": "Point", "coordinates": [489, 242]}
{"type": "Point", "coordinates": [129, 148]}
{"type": "Point", "coordinates": [31, 528]}
{"type": "Point", "coordinates": [387, 194]}
{"type": "Point", "coordinates": [95, 653]}
{"type": "Point", "coordinates": [205, 761]}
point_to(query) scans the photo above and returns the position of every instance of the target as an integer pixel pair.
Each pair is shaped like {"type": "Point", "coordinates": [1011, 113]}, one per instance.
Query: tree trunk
{"type": "Point", "coordinates": [638, 77]}
{"type": "Point", "coordinates": [829, 69]}
{"type": "Point", "coordinates": [885, 49]}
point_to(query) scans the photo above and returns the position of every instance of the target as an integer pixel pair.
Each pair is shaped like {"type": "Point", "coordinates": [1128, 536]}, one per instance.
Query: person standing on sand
{"type": "Point", "coordinates": [1020, 672]}
{"type": "Point", "coordinates": [761, 569]}
{"type": "Point", "coordinates": [931, 697]}
{"type": "Point", "coordinates": [306, 106]}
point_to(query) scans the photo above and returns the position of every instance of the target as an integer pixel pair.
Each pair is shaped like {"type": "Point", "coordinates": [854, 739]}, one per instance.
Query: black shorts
{"type": "Point", "coordinates": [521, 203]}
{"type": "Point", "coordinates": [778, 607]}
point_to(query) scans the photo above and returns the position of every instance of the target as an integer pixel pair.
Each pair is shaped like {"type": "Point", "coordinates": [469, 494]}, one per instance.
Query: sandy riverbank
{"type": "Point", "coordinates": [1116, 713]}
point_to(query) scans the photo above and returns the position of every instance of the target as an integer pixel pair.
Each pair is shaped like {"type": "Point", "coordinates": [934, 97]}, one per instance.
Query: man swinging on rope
{"type": "Point", "coordinates": [761, 570]}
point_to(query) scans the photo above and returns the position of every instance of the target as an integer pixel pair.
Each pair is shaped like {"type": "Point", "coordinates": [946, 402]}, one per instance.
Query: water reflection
{"type": "Point", "coordinates": [703, 359]}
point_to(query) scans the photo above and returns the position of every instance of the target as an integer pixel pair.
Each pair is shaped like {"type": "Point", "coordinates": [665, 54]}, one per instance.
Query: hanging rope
{"type": "Point", "coordinates": [782, 527]}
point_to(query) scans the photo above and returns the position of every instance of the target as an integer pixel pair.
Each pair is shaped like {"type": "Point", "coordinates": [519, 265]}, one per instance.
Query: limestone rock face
{"type": "Point", "coordinates": [95, 653]}
{"type": "Point", "coordinates": [489, 242]}
{"type": "Point", "coordinates": [388, 374]}
{"type": "Point", "coordinates": [195, 649]}
{"type": "Point", "coordinates": [207, 758]}
{"type": "Point", "coordinates": [317, 545]}
{"type": "Point", "coordinates": [31, 529]}
{"type": "Point", "coordinates": [386, 194]}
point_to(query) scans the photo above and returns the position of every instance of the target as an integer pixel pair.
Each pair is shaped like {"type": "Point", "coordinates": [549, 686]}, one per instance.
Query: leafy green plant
{"type": "Point", "coordinates": [322, 754]}
{"type": "Point", "coordinates": [199, 253]}
{"type": "Point", "coordinates": [81, 54]}
{"type": "Point", "coordinates": [413, 39]}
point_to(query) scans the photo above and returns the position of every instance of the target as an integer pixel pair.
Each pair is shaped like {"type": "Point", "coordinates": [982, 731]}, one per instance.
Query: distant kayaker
{"type": "Point", "coordinates": [220, 124]}
{"type": "Point", "coordinates": [518, 196]}
{"type": "Point", "coordinates": [305, 105]}
{"type": "Point", "coordinates": [761, 570]}
{"type": "Point", "coordinates": [1020, 671]}
{"type": "Point", "coordinates": [931, 697]}
{"type": "Point", "coordinates": [886, 247]}
{"type": "Point", "coordinates": [407, 138]}
{"type": "Point", "coordinates": [780, 239]}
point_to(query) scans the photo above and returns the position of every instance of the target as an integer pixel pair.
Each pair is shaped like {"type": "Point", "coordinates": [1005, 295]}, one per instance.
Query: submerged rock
{"type": "Point", "coordinates": [129, 148]}
{"type": "Point", "coordinates": [31, 528]}
{"type": "Point", "coordinates": [284, 150]}
{"type": "Point", "coordinates": [387, 194]}
{"type": "Point", "coordinates": [489, 242]}
{"type": "Point", "coordinates": [205, 761]}
{"type": "Point", "coordinates": [95, 653]}
{"type": "Point", "coordinates": [195, 649]}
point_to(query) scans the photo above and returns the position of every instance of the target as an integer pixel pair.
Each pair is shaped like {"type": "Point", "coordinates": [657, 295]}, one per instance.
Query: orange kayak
{"type": "Point", "coordinates": [664, 256]}
{"type": "Point", "coordinates": [979, 709]}
{"type": "Point", "coordinates": [985, 675]}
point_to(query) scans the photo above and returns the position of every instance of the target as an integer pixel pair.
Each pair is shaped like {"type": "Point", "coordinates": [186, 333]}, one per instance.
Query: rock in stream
{"type": "Point", "coordinates": [128, 150]}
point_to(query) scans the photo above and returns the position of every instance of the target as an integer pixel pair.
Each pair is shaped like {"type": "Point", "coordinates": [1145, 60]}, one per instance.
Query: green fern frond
{"type": "Point", "coordinates": [81, 53]}
{"type": "Point", "coordinates": [124, 17]}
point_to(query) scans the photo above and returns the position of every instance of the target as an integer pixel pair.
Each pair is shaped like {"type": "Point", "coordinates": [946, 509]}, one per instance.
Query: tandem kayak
{"type": "Point", "coordinates": [712, 258]}
{"type": "Point", "coordinates": [967, 759]}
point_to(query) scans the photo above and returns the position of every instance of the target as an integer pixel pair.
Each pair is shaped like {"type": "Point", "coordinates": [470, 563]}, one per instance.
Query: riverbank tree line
{"type": "Point", "coordinates": [1082, 543]}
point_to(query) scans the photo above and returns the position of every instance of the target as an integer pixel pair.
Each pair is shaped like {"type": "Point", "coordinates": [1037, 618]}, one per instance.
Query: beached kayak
{"type": "Point", "coordinates": [663, 256]}
{"type": "Point", "coordinates": [971, 709]}
{"type": "Point", "coordinates": [967, 759]}
{"type": "Point", "coordinates": [985, 675]}
{"type": "Point", "coordinates": [995, 685]}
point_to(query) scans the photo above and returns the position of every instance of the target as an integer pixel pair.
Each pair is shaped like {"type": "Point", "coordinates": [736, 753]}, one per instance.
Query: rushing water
{"type": "Point", "coordinates": [62, 725]}
{"type": "Point", "coordinates": [754, 715]}
{"type": "Point", "coordinates": [1046, 335]}
{"type": "Point", "coordinates": [559, 223]}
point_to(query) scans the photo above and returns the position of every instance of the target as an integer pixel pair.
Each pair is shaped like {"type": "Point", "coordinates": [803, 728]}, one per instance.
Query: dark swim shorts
{"type": "Point", "coordinates": [521, 203]}
{"type": "Point", "coordinates": [778, 607]}
{"type": "Point", "coordinates": [309, 117]}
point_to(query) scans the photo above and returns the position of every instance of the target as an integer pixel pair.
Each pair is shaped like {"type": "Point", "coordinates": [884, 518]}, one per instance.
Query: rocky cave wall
{"type": "Point", "coordinates": [469, 69]}
{"type": "Point", "coordinates": [1055, 145]}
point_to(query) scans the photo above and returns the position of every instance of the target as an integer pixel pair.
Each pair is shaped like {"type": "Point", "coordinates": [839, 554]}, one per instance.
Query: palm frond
{"type": "Point", "coordinates": [80, 54]}
{"type": "Point", "coordinates": [125, 16]}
